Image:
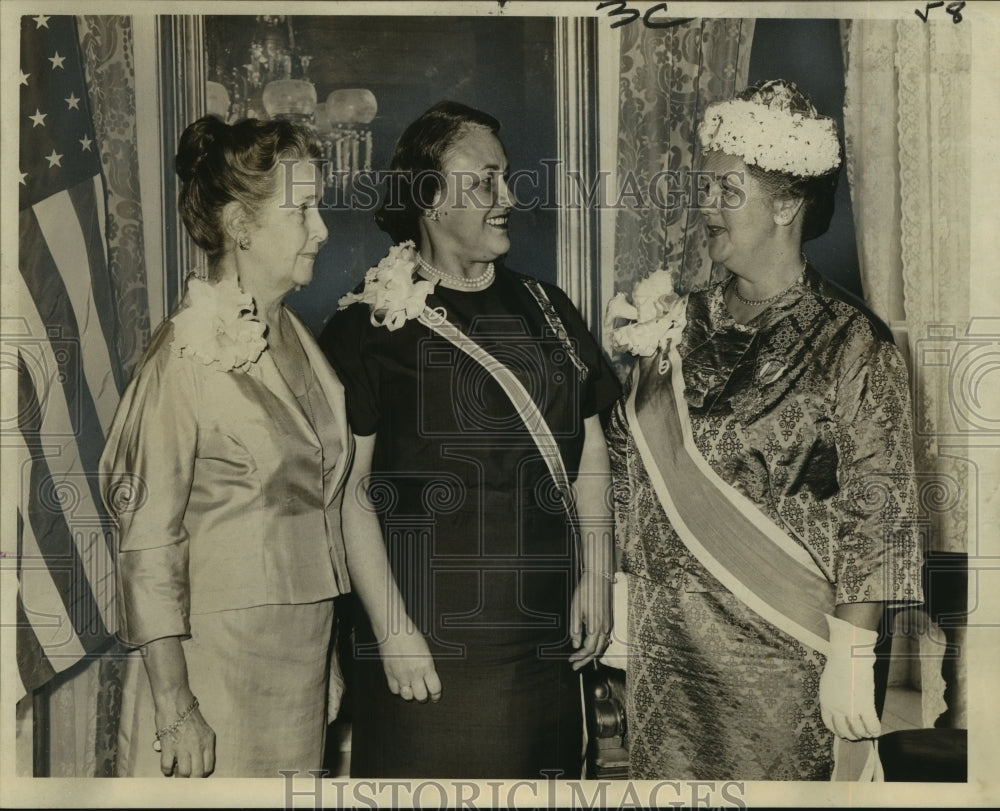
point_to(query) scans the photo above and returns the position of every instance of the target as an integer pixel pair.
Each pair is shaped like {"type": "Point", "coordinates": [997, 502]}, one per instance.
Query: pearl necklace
{"type": "Point", "coordinates": [763, 302]}
{"type": "Point", "coordinates": [479, 283]}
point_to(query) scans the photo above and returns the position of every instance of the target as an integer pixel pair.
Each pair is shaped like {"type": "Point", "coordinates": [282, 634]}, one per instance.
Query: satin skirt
{"type": "Point", "coordinates": [260, 675]}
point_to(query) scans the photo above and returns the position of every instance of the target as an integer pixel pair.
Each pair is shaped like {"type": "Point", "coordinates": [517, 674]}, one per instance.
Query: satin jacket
{"type": "Point", "coordinates": [217, 482]}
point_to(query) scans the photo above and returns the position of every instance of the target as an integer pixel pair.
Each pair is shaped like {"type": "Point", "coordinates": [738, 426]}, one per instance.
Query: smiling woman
{"type": "Point", "coordinates": [758, 569]}
{"type": "Point", "coordinates": [476, 419]}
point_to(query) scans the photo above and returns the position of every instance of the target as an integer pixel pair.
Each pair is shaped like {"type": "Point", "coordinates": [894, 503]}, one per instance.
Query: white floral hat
{"type": "Point", "coordinates": [775, 128]}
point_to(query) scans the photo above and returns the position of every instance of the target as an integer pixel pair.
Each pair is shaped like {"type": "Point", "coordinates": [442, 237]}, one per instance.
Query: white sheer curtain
{"type": "Point", "coordinates": [907, 119]}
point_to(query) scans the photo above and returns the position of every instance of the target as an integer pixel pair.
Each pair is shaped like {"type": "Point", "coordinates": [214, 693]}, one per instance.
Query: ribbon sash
{"type": "Point", "coordinates": [526, 407]}
{"type": "Point", "coordinates": [728, 534]}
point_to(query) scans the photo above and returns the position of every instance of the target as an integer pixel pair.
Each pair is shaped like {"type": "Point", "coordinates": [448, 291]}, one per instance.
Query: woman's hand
{"type": "Point", "coordinates": [590, 611]}
{"type": "Point", "coordinates": [847, 686]}
{"type": "Point", "coordinates": [409, 666]}
{"type": "Point", "coordinates": [190, 751]}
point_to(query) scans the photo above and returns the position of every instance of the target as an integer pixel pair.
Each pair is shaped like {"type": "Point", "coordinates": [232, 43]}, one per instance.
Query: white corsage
{"type": "Point", "coordinates": [218, 326]}
{"type": "Point", "coordinates": [656, 311]}
{"type": "Point", "coordinates": [390, 290]}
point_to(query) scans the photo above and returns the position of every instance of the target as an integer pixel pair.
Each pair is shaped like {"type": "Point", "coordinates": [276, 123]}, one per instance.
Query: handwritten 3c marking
{"type": "Point", "coordinates": [620, 8]}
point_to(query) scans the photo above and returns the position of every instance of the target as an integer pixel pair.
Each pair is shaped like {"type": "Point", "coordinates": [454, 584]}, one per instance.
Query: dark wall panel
{"type": "Point", "coordinates": [808, 53]}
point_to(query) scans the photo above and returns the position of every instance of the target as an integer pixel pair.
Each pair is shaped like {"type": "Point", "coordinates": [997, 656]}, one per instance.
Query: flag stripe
{"type": "Point", "coordinates": [33, 665]}
{"type": "Point", "coordinates": [49, 526]}
{"type": "Point", "coordinates": [45, 286]}
{"type": "Point", "coordinates": [84, 197]}
{"type": "Point", "coordinates": [43, 605]}
{"type": "Point", "coordinates": [63, 459]}
{"type": "Point", "coordinates": [34, 668]}
{"type": "Point", "coordinates": [68, 245]}
{"type": "Point", "coordinates": [102, 220]}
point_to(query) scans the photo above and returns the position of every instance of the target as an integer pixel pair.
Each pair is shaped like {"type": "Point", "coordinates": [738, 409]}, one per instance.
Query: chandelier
{"type": "Point", "coordinates": [274, 83]}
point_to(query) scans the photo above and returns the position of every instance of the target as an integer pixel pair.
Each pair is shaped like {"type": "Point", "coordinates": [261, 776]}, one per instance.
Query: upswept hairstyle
{"type": "Point", "coordinates": [817, 193]}
{"type": "Point", "coordinates": [417, 165]}
{"type": "Point", "coordinates": [218, 163]}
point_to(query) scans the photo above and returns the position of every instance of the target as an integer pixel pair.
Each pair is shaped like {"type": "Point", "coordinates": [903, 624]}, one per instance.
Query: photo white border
{"type": "Point", "coordinates": [983, 788]}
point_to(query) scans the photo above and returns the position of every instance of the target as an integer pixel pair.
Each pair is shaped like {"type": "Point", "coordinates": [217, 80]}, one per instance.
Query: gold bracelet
{"type": "Point", "coordinates": [611, 578]}
{"type": "Point", "coordinates": [172, 729]}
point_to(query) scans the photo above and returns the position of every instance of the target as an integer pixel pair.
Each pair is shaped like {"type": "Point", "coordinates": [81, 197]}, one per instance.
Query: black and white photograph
{"type": "Point", "coordinates": [500, 404]}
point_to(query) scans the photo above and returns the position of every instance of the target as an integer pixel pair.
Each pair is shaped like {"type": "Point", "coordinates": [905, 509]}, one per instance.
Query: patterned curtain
{"type": "Point", "coordinates": [668, 77]}
{"type": "Point", "coordinates": [907, 119]}
{"type": "Point", "coordinates": [106, 42]}
{"type": "Point", "coordinates": [84, 702]}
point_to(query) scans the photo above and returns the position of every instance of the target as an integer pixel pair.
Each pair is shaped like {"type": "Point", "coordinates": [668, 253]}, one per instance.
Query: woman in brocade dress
{"type": "Point", "coordinates": [460, 530]}
{"type": "Point", "coordinates": [763, 478]}
{"type": "Point", "coordinates": [225, 468]}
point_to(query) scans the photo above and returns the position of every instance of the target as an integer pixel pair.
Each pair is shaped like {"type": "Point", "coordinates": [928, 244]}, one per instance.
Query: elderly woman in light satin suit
{"type": "Point", "coordinates": [225, 468]}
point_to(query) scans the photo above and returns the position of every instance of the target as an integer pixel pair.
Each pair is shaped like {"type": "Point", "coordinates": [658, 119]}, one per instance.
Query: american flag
{"type": "Point", "coordinates": [69, 374]}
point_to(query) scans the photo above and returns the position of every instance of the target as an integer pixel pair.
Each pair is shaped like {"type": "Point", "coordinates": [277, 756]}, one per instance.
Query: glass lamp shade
{"type": "Point", "coordinates": [217, 100]}
{"type": "Point", "coordinates": [321, 115]}
{"type": "Point", "coordinates": [290, 97]}
{"type": "Point", "coordinates": [353, 106]}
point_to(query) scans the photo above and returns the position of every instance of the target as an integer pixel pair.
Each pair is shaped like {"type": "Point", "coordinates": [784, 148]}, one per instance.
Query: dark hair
{"type": "Point", "coordinates": [817, 193]}
{"type": "Point", "coordinates": [417, 164]}
{"type": "Point", "coordinates": [219, 163]}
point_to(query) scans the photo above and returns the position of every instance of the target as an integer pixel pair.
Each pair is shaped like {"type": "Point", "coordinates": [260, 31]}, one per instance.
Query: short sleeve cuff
{"type": "Point", "coordinates": [153, 596]}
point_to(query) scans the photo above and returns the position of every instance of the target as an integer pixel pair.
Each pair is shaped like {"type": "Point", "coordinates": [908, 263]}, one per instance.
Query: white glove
{"type": "Point", "coordinates": [847, 686]}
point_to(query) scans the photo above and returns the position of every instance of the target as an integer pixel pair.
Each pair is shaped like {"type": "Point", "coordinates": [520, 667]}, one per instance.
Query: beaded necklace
{"type": "Point", "coordinates": [479, 283]}
{"type": "Point", "coordinates": [763, 302]}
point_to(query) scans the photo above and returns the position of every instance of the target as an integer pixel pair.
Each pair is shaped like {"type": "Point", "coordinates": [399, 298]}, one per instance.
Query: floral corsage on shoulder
{"type": "Point", "coordinates": [217, 326]}
{"type": "Point", "coordinates": [390, 291]}
{"type": "Point", "coordinates": [657, 315]}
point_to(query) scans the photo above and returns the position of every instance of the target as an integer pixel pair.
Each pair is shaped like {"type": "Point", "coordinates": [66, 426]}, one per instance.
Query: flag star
{"type": "Point", "coordinates": [24, 78]}
{"type": "Point", "coordinates": [23, 176]}
{"type": "Point", "coordinates": [41, 21]}
{"type": "Point", "coordinates": [54, 159]}
{"type": "Point", "coordinates": [57, 61]}
{"type": "Point", "coordinates": [39, 118]}
{"type": "Point", "coordinates": [85, 143]}
{"type": "Point", "coordinates": [73, 103]}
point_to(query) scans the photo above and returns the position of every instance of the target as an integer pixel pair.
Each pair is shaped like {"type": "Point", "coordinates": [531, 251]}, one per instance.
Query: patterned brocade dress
{"type": "Point", "coordinates": [806, 411]}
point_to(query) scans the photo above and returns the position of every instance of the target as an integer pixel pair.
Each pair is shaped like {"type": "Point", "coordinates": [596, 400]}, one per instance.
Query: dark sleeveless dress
{"type": "Point", "coordinates": [478, 541]}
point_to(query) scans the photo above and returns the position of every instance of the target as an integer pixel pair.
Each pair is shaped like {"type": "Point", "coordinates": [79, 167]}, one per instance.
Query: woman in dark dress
{"type": "Point", "coordinates": [478, 527]}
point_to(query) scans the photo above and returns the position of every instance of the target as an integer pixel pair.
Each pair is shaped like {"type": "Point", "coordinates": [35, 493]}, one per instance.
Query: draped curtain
{"type": "Point", "coordinates": [667, 78]}
{"type": "Point", "coordinates": [907, 120]}
{"type": "Point", "coordinates": [107, 46]}
{"type": "Point", "coordinates": [75, 735]}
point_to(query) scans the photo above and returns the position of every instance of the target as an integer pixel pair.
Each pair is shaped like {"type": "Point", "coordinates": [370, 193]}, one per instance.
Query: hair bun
{"type": "Point", "coordinates": [199, 139]}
